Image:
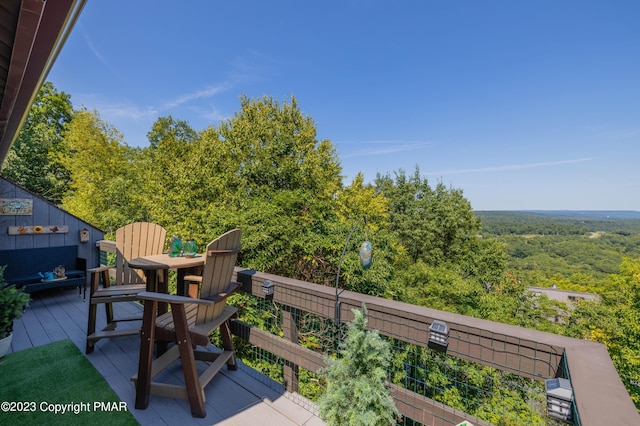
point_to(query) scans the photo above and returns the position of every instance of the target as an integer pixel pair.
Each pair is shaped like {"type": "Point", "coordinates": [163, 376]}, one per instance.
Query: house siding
{"type": "Point", "coordinates": [46, 213]}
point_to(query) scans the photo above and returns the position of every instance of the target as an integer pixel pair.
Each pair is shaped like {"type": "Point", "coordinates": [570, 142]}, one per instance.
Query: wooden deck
{"type": "Point", "coordinates": [233, 397]}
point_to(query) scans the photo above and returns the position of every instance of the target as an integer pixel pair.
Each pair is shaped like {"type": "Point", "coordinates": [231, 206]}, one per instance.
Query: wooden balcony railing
{"type": "Point", "coordinates": [600, 397]}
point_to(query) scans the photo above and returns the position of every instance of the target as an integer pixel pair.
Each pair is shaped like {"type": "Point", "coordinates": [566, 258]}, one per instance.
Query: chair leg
{"type": "Point", "coordinates": [109, 312]}
{"type": "Point", "coordinates": [107, 306]}
{"type": "Point", "coordinates": [227, 344]}
{"type": "Point", "coordinates": [147, 337]}
{"type": "Point", "coordinates": [195, 392]}
{"type": "Point", "coordinates": [91, 327]}
{"type": "Point", "coordinates": [91, 322]}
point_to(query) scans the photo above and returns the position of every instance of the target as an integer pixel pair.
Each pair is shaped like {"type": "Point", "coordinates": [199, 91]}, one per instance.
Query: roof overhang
{"type": "Point", "coordinates": [32, 32]}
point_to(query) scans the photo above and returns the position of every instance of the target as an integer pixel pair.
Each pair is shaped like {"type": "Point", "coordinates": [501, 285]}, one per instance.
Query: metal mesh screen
{"type": "Point", "coordinates": [460, 386]}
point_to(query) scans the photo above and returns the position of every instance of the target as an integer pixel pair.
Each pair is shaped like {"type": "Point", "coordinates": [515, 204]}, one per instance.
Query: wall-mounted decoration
{"type": "Point", "coordinates": [84, 235]}
{"type": "Point", "coordinates": [38, 229]}
{"type": "Point", "coordinates": [16, 206]}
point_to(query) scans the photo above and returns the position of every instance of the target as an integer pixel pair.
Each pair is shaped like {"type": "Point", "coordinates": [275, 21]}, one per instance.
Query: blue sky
{"type": "Point", "coordinates": [521, 104]}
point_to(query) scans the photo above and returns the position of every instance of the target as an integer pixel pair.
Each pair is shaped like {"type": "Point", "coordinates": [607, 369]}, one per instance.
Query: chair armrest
{"type": "Point", "coordinates": [183, 300]}
{"type": "Point", "coordinates": [232, 288]}
{"type": "Point", "coordinates": [172, 298]}
{"type": "Point", "coordinates": [99, 269]}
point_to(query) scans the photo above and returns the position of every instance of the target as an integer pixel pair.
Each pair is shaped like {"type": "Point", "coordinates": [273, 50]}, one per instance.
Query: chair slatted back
{"type": "Point", "coordinates": [221, 256]}
{"type": "Point", "coordinates": [136, 240]}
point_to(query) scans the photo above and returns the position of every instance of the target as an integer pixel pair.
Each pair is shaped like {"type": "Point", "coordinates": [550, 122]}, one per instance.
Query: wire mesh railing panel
{"type": "Point", "coordinates": [464, 388]}
{"type": "Point", "coordinates": [281, 340]}
{"type": "Point", "coordinates": [483, 372]}
{"type": "Point", "coordinates": [494, 396]}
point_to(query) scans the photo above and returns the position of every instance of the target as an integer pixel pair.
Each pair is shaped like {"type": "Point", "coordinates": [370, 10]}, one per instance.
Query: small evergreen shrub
{"type": "Point", "coordinates": [356, 393]}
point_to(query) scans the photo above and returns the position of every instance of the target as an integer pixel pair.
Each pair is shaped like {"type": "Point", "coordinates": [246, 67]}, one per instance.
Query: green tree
{"type": "Point", "coordinates": [364, 213]}
{"type": "Point", "coordinates": [441, 261]}
{"type": "Point", "coordinates": [409, 202]}
{"type": "Point", "coordinates": [358, 201]}
{"type": "Point", "coordinates": [615, 322]}
{"type": "Point", "coordinates": [618, 330]}
{"type": "Point", "coordinates": [485, 260]}
{"type": "Point", "coordinates": [101, 169]}
{"type": "Point", "coordinates": [166, 177]}
{"type": "Point", "coordinates": [274, 148]}
{"type": "Point", "coordinates": [279, 182]}
{"type": "Point", "coordinates": [435, 225]}
{"type": "Point", "coordinates": [439, 287]}
{"type": "Point", "coordinates": [32, 160]}
{"type": "Point", "coordinates": [356, 392]}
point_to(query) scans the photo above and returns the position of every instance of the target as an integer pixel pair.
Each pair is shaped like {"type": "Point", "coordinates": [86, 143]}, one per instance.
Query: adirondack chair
{"type": "Point", "coordinates": [189, 323]}
{"type": "Point", "coordinates": [132, 241]}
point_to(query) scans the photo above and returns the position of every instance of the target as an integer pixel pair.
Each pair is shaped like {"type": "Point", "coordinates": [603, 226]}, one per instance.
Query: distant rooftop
{"type": "Point", "coordinates": [563, 295]}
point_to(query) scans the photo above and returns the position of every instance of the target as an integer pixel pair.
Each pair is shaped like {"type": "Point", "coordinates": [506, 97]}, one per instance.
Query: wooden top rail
{"type": "Point", "coordinates": [525, 352]}
{"type": "Point", "coordinates": [600, 396]}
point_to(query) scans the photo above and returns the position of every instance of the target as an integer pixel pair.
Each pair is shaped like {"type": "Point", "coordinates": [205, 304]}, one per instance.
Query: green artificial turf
{"type": "Point", "coordinates": [37, 381]}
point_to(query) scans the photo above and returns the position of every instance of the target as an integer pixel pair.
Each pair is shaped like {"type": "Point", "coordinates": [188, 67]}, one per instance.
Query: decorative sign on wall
{"type": "Point", "coordinates": [38, 229]}
{"type": "Point", "coordinates": [16, 206]}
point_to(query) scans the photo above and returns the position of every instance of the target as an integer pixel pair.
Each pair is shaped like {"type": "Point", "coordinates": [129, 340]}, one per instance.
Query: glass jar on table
{"type": "Point", "coordinates": [175, 246]}
{"type": "Point", "coordinates": [190, 248]}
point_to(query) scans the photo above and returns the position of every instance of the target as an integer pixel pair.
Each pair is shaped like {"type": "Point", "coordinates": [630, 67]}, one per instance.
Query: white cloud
{"type": "Point", "coordinates": [98, 55]}
{"type": "Point", "coordinates": [390, 147]}
{"type": "Point", "coordinates": [126, 110]}
{"type": "Point", "coordinates": [204, 93]}
{"type": "Point", "coordinates": [511, 167]}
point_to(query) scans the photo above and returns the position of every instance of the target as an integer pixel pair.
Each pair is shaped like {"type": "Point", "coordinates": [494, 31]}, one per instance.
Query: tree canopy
{"type": "Point", "coordinates": [32, 160]}
{"type": "Point", "coordinates": [102, 185]}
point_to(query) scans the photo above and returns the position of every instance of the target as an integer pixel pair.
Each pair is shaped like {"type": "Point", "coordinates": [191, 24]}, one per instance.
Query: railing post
{"type": "Point", "coordinates": [290, 331]}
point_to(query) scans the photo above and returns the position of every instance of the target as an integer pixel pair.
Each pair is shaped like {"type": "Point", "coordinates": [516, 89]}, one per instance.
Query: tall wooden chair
{"type": "Point", "coordinates": [189, 323]}
{"type": "Point", "coordinates": [132, 241]}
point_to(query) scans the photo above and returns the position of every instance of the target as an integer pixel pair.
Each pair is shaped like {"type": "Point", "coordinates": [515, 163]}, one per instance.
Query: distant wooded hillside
{"type": "Point", "coordinates": [565, 222]}
{"type": "Point", "coordinates": [582, 247]}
